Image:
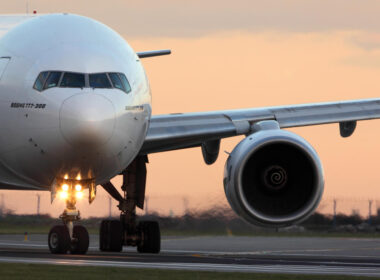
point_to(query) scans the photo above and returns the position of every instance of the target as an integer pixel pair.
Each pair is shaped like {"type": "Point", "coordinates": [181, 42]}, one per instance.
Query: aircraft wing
{"type": "Point", "coordinates": [7, 22]}
{"type": "Point", "coordinates": [179, 131]}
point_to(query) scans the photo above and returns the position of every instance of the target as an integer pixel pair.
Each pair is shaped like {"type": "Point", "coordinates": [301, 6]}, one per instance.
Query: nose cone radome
{"type": "Point", "coordinates": [87, 119]}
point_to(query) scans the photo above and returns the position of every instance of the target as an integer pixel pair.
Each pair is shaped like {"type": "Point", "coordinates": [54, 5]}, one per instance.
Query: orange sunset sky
{"type": "Point", "coordinates": [237, 54]}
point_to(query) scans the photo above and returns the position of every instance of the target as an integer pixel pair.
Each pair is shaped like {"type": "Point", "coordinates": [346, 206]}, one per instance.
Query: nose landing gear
{"type": "Point", "coordinates": [114, 234]}
{"type": "Point", "coordinates": [67, 237]}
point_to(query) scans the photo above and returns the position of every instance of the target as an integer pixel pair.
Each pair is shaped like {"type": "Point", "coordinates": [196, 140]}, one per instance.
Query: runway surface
{"type": "Point", "coordinates": [346, 256]}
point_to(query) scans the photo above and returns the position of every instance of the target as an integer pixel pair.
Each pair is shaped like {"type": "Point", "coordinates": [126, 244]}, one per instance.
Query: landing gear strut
{"type": "Point", "coordinates": [67, 237]}
{"type": "Point", "coordinates": [114, 234]}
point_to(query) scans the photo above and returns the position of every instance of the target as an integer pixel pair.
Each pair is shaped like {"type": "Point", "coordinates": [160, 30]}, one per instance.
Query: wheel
{"type": "Point", "coordinates": [111, 236]}
{"type": "Point", "coordinates": [59, 239]}
{"type": "Point", "coordinates": [150, 237]}
{"type": "Point", "coordinates": [79, 245]}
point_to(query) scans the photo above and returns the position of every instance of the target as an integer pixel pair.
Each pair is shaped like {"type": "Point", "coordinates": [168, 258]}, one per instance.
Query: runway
{"type": "Point", "coordinates": [335, 256]}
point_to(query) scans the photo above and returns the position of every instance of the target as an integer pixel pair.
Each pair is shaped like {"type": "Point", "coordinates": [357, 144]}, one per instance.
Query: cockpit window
{"type": "Point", "coordinates": [73, 80]}
{"type": "Point", "coordinates": [120, 81]}
{"type": "Point", "coordinates": [39, 84]}
{"type": "Point", "coordinates": [99, 81]}
{"type": "Point", "coordinates": [125, 82]}
{"type": "Point", "coordinates": [52, 80]}
{"type": "Point", "coordinates": [116, 80]}
{"type": "Point", "coordinates": [49, 79]}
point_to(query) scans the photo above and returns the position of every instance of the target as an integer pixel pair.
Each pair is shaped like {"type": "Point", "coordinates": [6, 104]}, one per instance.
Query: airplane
{"type": "Point", "coordinates": [75, 111]}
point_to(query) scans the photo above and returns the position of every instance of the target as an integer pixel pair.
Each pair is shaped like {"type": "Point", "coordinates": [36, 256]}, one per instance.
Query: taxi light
{"type": "Point", "coordinates": [79, 195]}
{"type": "Point", "coordinates": [78, 188]}
{"type": "Point", "coordinates": [65, 187]}
{"type": "Point", "coordinates": [63, 195]}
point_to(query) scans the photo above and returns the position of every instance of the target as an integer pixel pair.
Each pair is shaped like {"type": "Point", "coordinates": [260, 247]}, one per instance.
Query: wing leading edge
{"type": "Point", "coordinates": [179, 131]}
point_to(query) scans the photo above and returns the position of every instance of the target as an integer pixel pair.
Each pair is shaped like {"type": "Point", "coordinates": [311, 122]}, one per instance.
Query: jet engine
{"type": "Point", "coordinates": [273, 177]}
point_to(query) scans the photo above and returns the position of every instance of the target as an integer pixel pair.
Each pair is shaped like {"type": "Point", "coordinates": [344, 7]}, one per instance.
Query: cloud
{"type": "Point", "coordinates": [363, 61]}
{"type": "Point", "coordinates": [368, 41]}
{"type": "Point", "coordinates": [168, 18]}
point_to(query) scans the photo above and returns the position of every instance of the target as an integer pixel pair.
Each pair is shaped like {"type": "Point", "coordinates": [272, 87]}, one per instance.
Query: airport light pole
{"type": "Point", "coordinates": [38, 204]}
{"type": "Point", "coordinates": [334, 217]}
{"type": "Point", "coordinates": [369, 211]}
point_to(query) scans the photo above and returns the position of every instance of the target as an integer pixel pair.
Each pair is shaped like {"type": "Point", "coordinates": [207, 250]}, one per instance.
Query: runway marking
{"type": "Point", "coordinates": [210, 253]}
{"type": "Point", "coordinates": [33, 245]}
{"type": "Point", "coordinates": [184, 238]}
{"type": "Point", "coordinates": [249, 252]}
{"type": "Point", "coordinates": [202, 253]}
{"type": "Point", "coordinates": [297, 269]}
{"type": "Point", "coordinates": [185, 251]}
{"type": "Point", "coordinates": [23, 244]}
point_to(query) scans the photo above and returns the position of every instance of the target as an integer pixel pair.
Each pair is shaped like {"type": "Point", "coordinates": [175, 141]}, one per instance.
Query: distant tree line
{"type": "Point", "coordinates": [213, 221]}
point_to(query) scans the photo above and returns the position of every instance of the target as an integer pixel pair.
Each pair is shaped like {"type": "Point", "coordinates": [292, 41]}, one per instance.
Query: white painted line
{"type": "Point", "coordinates": [246, 252]}
{"type": "Point", "coordinates": [297, 269]}
{"type": "Point", "coordinates": [26, 244]}
{"type": "Point", "coordinates": [31, 244]}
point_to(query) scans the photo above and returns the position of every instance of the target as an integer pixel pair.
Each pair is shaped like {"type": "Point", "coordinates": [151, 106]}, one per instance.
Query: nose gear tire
{"type": "Point", "coordinates": [59, 239]}
{"type": "Point", "coordinates": [81, 240]}
{"type": "Point", "coordinates": [150, 237]}
{"type": "Point", "coordinates": [111, 236]}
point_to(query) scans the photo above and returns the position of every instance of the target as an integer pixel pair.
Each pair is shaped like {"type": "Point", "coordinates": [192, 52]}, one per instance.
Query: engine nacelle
{"type": "Point", "coordinates": [273, 177]}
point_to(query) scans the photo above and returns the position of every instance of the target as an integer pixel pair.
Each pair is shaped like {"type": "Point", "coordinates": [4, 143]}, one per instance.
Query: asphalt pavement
{"type": "Point", "coordinates": [301, 255]}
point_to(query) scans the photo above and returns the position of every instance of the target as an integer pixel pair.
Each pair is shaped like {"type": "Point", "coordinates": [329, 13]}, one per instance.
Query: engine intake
{"type": "Point", "coordinates": [273, 178]}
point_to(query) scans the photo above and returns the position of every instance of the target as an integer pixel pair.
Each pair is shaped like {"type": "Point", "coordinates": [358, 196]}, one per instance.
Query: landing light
{"type": "Point", "coordinates": [65, 187]}
{"type": "Point", "coordinates": [78, 188]}
{"type": "Point", "coordinates": [79, 195]}
{"type": "Point", "coordinates": [63, 194]}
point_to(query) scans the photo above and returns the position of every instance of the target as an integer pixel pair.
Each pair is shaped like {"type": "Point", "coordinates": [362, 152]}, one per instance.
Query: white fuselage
{"type": "Point", "coordinates": [94, 132]}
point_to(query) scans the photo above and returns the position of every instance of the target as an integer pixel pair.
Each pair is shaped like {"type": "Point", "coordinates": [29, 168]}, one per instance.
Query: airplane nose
{"type": "Point", "coordinates": [87, 119]}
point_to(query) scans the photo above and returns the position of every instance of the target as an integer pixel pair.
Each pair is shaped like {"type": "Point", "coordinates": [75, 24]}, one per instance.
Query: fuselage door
{"type": "Point", "coordinates": [3, 64]}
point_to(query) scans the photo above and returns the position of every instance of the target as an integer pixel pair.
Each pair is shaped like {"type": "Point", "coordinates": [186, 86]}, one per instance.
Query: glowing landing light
{"type": "Point", "coordinates": [78, 177]}
{"type": "Point", "coordinates": [63, 195]}
{"type": "Point", "coordinates": [79, 195]}
{"type": "Point", "coordinates": [78, 188]}
{"type": "Point", "coordinates": [65, 187]}
{"type": "Point", "coordinates": [66, 177]}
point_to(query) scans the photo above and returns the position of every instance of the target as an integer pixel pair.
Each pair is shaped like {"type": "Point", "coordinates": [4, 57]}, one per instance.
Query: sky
{"type": "Point", "coordinates": [239, 54]}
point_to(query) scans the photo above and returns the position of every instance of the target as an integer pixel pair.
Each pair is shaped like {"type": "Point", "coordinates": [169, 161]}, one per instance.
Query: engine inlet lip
{"type": "Point", "coordinates": [264, 138]}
